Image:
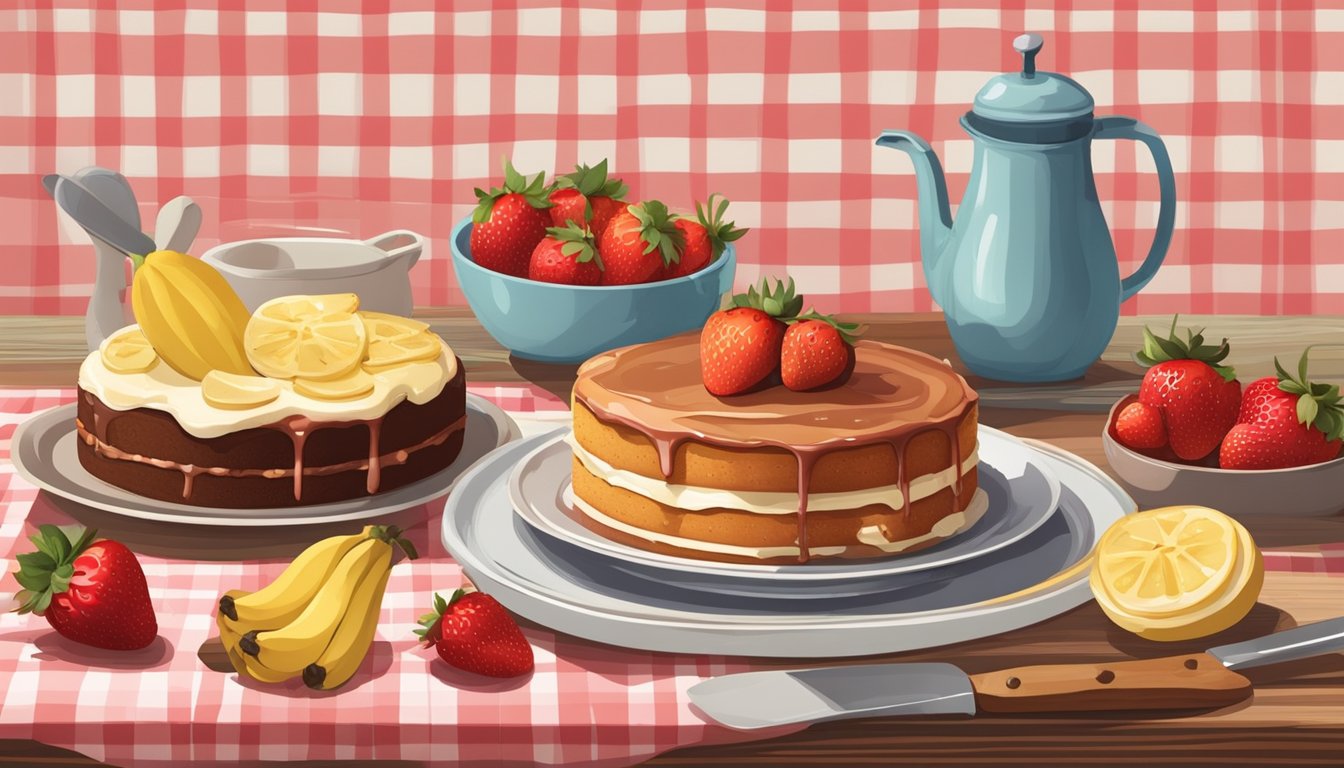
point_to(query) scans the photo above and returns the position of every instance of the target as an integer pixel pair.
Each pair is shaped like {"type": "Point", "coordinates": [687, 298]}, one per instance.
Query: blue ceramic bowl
{"type": "Point", "coordinates": [571, 323]}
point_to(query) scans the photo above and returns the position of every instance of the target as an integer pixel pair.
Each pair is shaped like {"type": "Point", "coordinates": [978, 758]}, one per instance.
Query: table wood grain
{"type": "Point", "coordinates": [1295, 718]}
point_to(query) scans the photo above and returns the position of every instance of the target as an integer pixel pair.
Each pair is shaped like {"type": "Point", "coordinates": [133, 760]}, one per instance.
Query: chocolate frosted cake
{"type": "Point", "coordinates": [881, 465]}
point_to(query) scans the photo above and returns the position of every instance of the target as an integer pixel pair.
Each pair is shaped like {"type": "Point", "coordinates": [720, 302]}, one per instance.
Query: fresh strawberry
{"type": "Point", "coordinates": [92, 592]}
{"type": "Point", "coordinates": [1285, 421]}
{"type": "Point", "coordinates": [740, 347]}
{"type": "Point", "coordinates": [1140, 427]}
{"type": "Point", "coordinates": [706, 237]}
{"type": "Point", "coordinates": [472, 631]}
{"type": "Point", "coordinates": [639, 243]}
{"type": "Point", "coordinates": [817, 350]}
{"type": "Point", "coordinates": [587, 196]}
{"type": "Point", "coordinates": [508, 223]}
{"type": "Point", "coordinates": [566, 255]}
{"type": "Point", "coordinates": [1198, 396]}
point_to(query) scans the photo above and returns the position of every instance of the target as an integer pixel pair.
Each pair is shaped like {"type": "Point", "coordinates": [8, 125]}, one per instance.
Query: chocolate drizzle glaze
{"type": "Point", "coordinates": [893, 394]}
{"type": "Point", "coordinates": [297, 428]}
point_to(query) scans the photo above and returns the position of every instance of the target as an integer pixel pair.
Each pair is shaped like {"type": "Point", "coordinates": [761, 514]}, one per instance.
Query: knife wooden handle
{"type": "Point", "coordinates": [1195, 681]}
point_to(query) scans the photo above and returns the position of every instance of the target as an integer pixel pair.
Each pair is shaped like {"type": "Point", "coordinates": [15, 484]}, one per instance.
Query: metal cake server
{"type": "Point", "coordinates": [1205, 680]}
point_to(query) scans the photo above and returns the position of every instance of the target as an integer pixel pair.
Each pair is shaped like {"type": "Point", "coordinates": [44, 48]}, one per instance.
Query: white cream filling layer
{"type": "Point", "coordinates": [869, 535]}
{"type": "Point", "coordinates": [164, 389]}
{"type": "Point", "coordinates": [697, 498]}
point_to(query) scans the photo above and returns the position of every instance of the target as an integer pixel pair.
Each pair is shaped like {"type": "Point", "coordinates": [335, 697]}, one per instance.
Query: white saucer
{"type": "Point", "coordinates": [44, 453]}
{"type": "Point", "coordinates": [1022, 493]}
{"type": "Point", "coordinates": [579, 592]}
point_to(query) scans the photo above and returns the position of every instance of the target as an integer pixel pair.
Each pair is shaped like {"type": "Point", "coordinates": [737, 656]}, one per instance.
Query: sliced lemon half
{"type": "Point", "coordinates": [129, 352]}
{"type": "Point", "coordinates": [310, 337]}
{"type": "Point", "coordinates": [397, 341]}
{"type": "Point", "coordinates": [1177, 573]}
{"type": "Point", "coordinates": [235, 392]}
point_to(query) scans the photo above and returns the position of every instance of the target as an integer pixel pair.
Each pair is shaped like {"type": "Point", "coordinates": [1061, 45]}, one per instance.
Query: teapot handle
{"type": "Point", "coordinates": [1115, 127]}
{"type": "Point", "coordinates": [411, 249]}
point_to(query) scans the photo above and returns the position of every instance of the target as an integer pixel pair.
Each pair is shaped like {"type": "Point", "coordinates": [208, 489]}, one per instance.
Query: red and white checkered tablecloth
{"type": "Point", "coordinates": [586, 704]}
{"type": "Point", "coordinates": [351, 117]}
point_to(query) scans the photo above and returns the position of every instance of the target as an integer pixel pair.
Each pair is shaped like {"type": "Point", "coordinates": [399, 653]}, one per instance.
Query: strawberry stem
{"type": "Point", "coordinates": [535, 192]}
{"type": "Point", "coordinates": [780, 301]}
{"type": "Point", "coordinates": [578, 242]}
{"type": "Point", "coordinates": [659, 230]}
{"type": "Point", "coordinates": [430, 623]}
{"type": "Point", "coordinates": [710, 216]}
{"type": "Point", "coordinates": [850, 332]}
{"type": "Point", "coordinates": [47, 572]}
{"type": "Point", "coordinates": [1159, 350]}
{"type": "Point", "coordinates": [1319, 405]}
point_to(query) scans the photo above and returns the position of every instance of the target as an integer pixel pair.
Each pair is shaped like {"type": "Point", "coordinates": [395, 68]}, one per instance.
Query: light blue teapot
{"type": "Point", "coordinates": [1027, 275]}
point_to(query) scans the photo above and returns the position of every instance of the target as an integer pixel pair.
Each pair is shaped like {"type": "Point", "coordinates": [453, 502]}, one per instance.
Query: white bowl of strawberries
{"type": "Point", "coordinates": [1192, 435]}
{"type": "Point", "coordinates": [562, 272]}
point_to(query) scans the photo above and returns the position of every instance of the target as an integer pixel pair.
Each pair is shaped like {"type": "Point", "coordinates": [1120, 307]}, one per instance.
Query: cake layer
{"type": "Point", "coordinates": [296, 460]}
{"type": "Point", "coordinates": [691, 497]}
{"type": "Point", "coordinates": [734, 536]}
{"type": "Point", "coordinates": [163, 389]}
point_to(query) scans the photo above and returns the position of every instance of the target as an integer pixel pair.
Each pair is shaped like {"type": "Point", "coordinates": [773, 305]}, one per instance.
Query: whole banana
{"type": "Point", "coordinates": [281, 601]}
{"type": "Point", "coordinates": [190, 314]}
{"type": "Point", "coordinates": [291, 648]}
{"type": "Point", "coordinates": [351, 642]}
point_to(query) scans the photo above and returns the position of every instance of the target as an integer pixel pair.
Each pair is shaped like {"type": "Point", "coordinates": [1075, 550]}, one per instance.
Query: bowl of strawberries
{"type": "Point", "coordinates": [1194, 435]}
{"type": "Point", "coordinates": [563, 271]}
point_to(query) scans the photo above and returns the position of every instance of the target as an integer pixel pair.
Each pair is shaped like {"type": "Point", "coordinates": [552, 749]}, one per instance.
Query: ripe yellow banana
{"type": "Point", "coordinates": [291, 648]}
{"type": "Point", "coordinates": [350, 644]}
{"type": "Point", "coordinates": [281, 601]}
{"type": "Point", "coordinates": [190, 314]}
{"type": "Point", "coordinates": [243, 664]}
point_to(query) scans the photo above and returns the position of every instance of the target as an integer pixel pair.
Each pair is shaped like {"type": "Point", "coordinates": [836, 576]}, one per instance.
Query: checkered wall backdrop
{"type": "Point", "coordinates": [280, 118]}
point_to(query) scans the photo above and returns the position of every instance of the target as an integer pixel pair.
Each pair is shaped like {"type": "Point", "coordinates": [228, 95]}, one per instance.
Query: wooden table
{"type": "Point", "coordinates": [1296, 717]}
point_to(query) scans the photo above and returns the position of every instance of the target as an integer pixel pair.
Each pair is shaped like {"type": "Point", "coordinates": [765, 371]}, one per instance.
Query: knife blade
{"type": "Point", "coordinates": [753, 700]}
{"type": "Point", "coordinates": [99, 220]}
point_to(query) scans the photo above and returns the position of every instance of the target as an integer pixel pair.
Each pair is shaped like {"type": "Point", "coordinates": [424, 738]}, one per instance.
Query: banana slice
{"type": "Point", "coordinates": [308, 337]}
{"type": "Point", "coordinates": [396, 341]}
{"type": "Point", "coordinates": [232, 391]}
{"type": "Point", "coordinates": [357, 383]}
{"type": "Point", "coordinates": [129, 352]}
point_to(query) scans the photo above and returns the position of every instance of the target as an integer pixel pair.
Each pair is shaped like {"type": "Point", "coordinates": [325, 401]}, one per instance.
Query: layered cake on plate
{"type": "Point", "coordinates": [307, 401]}
{"type": "Point", "coordinates": [882, 463]}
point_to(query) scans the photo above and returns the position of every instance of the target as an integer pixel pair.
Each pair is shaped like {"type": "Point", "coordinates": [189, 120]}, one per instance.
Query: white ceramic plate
{"type": "Point", "coordinates": [44, 454]}
{"type": "Point", "coordinates": [579, 592]}
{"type": "Point", "coordinates": [1022, 491]}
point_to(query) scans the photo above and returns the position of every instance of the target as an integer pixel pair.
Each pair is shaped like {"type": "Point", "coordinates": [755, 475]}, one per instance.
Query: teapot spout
{"type": "Point", "coordinates": [935, 214]}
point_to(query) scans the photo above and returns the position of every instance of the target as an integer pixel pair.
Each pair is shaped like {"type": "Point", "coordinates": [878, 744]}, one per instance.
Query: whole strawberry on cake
{"type": "Point", "coordinates": [774, 436]}
{"type": "Point", "coordinates": [307, 400]}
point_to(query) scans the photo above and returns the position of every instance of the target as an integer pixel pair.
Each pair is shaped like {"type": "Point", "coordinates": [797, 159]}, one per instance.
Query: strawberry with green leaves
{"type": "Point", "coordinates": [472, 631]}
{"type": "Point", "coordinates": [639, 243]}
{"type": "Point", "coordinates": [92, 592]}
{"type": "Point", "coordinates": [1285, 421]}
{"type": "Point", "coordinates": [707, 235]}
{"type": "Point", "coordinates": [567, 255]}
{"type": "Point", "coordinates": [1196, 394]}
{"type": "Point", "coordinates": [817, 350]}
{"type": "Point", "coordinates": [587, 197]}
{"type": "Point", "coordinates": [740, 346]}
{"type": "Point", "coordinates": [509, 222]}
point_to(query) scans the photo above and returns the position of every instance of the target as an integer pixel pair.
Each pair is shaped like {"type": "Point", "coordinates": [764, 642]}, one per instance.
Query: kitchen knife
{"type": "Point", "coordinates": [1205, 680]}
{"type": "Point", "coordinates": [99, 220]}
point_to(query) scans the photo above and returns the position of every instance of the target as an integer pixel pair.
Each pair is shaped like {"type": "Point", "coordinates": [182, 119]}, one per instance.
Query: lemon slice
{"type": "Point", "coordinates": [357, 383]}
{"type": "Point", "coordinates": [397, 341]}
{"type": "Point", "coordinates": [235, 392]}
{"type": "Point", "coordinates": [310, 337]}
{"type": "Point", "coordinates": [129, 352]}
{"type": "Point", "coordinates": [1177, 573]}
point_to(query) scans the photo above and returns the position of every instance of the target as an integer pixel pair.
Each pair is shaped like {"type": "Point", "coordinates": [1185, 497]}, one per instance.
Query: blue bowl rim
{"type": "Point", "coordinates": [729, 255]}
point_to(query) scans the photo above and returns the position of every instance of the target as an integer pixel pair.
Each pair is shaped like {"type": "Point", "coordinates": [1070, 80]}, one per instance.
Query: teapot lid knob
{"type": "Point", "coordinates": [1028, 45]}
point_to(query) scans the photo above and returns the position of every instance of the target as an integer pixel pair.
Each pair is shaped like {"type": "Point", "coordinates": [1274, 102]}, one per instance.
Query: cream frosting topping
{"type": "Point", "coordinates": [164, 389]}
{"type": "Point", "coordinates": [697, 498]}
{"type": "Point", "coordinates": [869, 536]}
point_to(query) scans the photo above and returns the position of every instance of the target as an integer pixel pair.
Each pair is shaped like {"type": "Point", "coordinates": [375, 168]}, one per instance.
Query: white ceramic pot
{"type": "Point", "coordinates": [377, 269]}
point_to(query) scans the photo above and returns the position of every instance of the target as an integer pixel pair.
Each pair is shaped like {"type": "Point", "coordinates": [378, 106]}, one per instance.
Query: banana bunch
{"type": "Point", "coordinates": [190, 314]}
{"type": "Point", "coordinates": [318, 618]}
